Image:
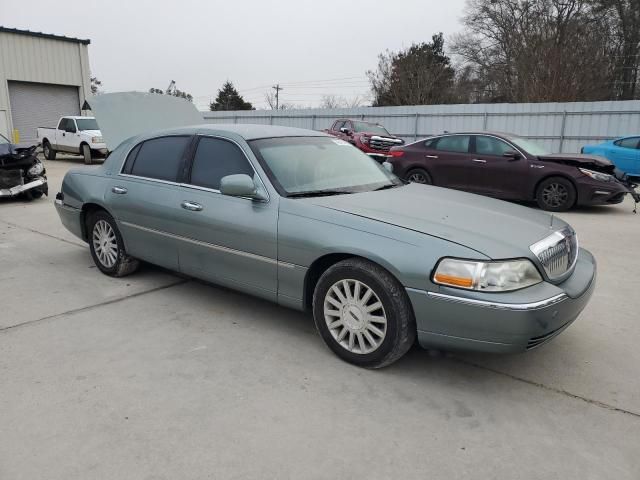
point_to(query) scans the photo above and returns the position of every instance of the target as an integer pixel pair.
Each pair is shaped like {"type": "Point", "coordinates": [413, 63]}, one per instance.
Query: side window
{"type": "Point", "coordinates": [131, 158]}
{"type": "Point", "coordinates": [491, 146]}
{"type": "Point", "coordinates": [431, 143]}
{"type": "Point", "coordinates": [71, 125]}
{"type": "Point", "coordinates": [216, 158]}
{"type": "Point", "coordinates": [338, 125]}
{"type": "Point", "coordinates": [349, 125]}
{"type": "Point", "coordinates": [631, 142]}
{"type": "Point", "coordinates": [454, 143]}
{"type": "Point", "coordinates": [63, 124]}
{"type": "Point", "coordinates": [160, 158]}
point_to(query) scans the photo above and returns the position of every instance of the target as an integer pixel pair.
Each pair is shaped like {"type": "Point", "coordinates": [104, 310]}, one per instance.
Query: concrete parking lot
{"type": "Point", "coordinates": [155, 376]}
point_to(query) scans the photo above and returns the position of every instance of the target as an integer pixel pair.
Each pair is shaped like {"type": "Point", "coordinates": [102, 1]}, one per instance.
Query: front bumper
{"type": "Point", "coordinates": [453, 319]}
{"type": "Point", "coordinates": [601, 193]}
{"type": "Point", "coordinates": [18, 189]}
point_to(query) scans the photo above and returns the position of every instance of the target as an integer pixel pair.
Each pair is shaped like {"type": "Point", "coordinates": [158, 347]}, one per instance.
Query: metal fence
{"type": "Point", "coordinates": [560, 127]}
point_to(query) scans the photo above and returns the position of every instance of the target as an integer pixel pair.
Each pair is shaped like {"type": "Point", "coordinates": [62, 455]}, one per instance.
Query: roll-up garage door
{"type": "Point", "coordinates": [36, 105]}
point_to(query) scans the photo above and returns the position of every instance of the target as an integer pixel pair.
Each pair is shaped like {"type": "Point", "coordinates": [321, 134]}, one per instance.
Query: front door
{"type": "Point", "coordinates": [227, 240]}
{"type": "Point", "coordinates": [144, 198]}
{"type": "Point", "coordinates": [66, 136]}
{"type": "Point", "coordinates": [497, 175]}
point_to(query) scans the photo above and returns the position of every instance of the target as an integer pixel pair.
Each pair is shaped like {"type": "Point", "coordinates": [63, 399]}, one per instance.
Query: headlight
{"type": "Point", "coordinates": [96, 139]}
{"type": "Point", "coordinates": [603, 177]}
{"type": "Point", "coordinates": [36, 169]}
{"type": "Point", "coordinates": [500, 276]}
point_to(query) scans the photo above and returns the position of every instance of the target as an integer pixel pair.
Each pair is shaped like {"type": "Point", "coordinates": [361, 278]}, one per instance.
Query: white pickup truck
{"type": "Point", "coordinates": [73, 134]}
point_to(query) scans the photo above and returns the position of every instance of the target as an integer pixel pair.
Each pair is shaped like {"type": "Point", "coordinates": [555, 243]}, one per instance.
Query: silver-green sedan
{"type": "Point", "coordinates": [310, 222]}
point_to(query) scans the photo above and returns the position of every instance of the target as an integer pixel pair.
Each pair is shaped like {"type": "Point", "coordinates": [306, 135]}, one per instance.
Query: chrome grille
{"type": "Point", "coordinates": [383, 143]}
{"type": "Point", "coordinates": [557, 252]}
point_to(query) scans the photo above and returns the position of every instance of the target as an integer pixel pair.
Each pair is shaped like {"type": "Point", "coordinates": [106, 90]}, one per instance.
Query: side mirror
{"type": "Point", "coordinates": [512, 154]}
{"type": "Point", "coordinates": [387, 166]}
{"type": "Point", "coordinates": [345, 130]}
{"type": "Point", "coordinates": [240, 185]}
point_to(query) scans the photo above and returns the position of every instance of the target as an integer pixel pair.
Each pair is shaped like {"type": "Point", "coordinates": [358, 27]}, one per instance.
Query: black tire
{"type": "Point", "coordinates": [123, 264]}
{"type": "Point", "coordinates": [556, 194]}
{"type": "Point", "coordinates": [400, 327]}
{"type": "Point", "coordinates": [33, 194]}
{"type": "Point", "coordinates": [418, 175]}
{"type": "Point", "coordinates": [85, 151]}
{"type": "Point", "coordinates": [49, 153]}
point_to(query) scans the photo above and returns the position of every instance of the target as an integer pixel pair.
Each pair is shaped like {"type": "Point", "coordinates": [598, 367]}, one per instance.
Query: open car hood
{"type": "Point", "coordinates": [124, 115]}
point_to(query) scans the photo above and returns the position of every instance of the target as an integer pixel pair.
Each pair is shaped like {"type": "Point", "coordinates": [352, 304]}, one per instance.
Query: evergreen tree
{"type": "Point", "coordinates": [229, 99]}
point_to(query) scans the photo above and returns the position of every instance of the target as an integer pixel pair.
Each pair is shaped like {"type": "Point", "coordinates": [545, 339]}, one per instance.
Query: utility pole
{"type": "Point", "coordinates": [277, 88]}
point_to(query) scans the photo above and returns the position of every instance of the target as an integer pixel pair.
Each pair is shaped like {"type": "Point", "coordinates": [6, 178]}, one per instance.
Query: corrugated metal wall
{"type": "Point", "coordinates": [560, 127]}
{"type": "Point", "coordinates": [29, 58]}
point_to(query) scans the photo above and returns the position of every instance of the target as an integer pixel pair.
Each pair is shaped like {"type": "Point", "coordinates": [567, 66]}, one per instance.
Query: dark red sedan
{"type": "Point", "coordinates": [512, 168]}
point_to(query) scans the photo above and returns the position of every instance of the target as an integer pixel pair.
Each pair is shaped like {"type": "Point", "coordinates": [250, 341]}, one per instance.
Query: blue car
{"type": "Point", "coordinates": [623, 152]}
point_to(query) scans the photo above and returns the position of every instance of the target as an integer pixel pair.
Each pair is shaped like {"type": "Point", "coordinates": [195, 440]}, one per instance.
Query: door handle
{"type": "Point", "coordinates": [193, 206]}
{"type": "Point", "coordinates": [479, 160]}
{"type": "Point", "coordinates": [431, 156]}
{"type": "Point", "coordinates": [119, 190]}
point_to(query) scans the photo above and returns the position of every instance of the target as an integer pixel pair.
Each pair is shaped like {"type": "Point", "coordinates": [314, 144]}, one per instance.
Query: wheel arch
{"type": "Point", "coordinates": [323, 263]}
{"type": "Point", "coordinates": [86, 210]}
{"type": "Point", "coordinates": [551, 175]}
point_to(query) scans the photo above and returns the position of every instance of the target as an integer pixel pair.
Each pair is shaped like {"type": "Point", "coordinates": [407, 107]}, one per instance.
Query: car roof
{"type": "Point", "coordinates": [78, 117]}
{"type": "Point", "coordinates": [250, 131]}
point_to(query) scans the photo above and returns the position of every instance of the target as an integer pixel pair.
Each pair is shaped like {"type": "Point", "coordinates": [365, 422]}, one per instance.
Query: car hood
{"type": "Point", "coordinates": [492, 227]}
{"type": "Point", "coordinates": [124, 115]}
{"type": "Point", "coordinates": [93, 133]}
{"type": "Point", "coordinates": [579, 160]}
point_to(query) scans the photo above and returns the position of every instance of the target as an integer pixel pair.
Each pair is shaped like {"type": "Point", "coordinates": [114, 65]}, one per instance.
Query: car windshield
{"type": "Point", "coordinates": [87, 124]}
{"type": "Point", "coordinates": [3, 140]}
{"type": "Point", "coordinates": [369, 128]}
{"type": "Point", "coordinates": [529, 146]}
{"type": "Point", "coordinates": [320, 165]}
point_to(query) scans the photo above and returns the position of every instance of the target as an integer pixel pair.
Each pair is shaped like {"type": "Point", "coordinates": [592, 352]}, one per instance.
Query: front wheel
{"type": "Point", "coordinates": [556, 194]}
{"type": "Point", "coordinates": [363, 313]}
{"type": "Point", "coordinates": [107, 247]}
{"type": "Point", "coordinates": [86, 153]}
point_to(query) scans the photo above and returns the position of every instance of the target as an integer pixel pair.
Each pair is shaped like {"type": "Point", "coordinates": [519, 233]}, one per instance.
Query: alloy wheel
{"type": "Point", "coordinates": [355, 316]}
{"type": "Point", "coordinates": [417, 177]}
{"type": "Point", "coordinates": [105, 243]}
{"type": "Point", "coordinates": [555, 195]}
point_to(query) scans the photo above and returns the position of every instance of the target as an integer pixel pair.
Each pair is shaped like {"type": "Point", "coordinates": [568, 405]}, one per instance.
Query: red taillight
{"type": "Point", "coordinates": [396, 153]}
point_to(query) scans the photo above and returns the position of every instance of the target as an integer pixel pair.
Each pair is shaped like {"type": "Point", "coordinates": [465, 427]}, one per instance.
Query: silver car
{"type": "Point", "coordinates": [310, 222]}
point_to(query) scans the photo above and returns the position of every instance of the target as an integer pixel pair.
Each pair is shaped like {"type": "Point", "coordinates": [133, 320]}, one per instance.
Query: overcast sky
{"type": "Point", "coordinates": [310, 47]}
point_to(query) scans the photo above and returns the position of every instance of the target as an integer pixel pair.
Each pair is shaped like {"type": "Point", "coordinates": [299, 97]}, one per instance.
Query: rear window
{"type": "Point", "coordinates": [454, 143]}
{"type": "Point", "coordinates": [160, 158]}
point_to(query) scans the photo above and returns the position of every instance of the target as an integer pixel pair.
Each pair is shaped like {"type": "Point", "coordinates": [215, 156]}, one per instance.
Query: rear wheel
{"type": "Point", "coordinates": [85, 150]}
{"type": "Point", "coordinates": [107, 247]}
{"type": "Point", "coordinates": [363, 313]}
{"type": "Point", "coordinates": [49, 153]}
{"type": "Point", "coordinates": [556, 194]}
{"type": "Point", "coordinates": [418, 175]}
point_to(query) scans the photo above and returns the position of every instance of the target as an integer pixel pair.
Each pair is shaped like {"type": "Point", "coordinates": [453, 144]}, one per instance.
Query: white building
{"type": "Point", "coordinates": [42, 77]}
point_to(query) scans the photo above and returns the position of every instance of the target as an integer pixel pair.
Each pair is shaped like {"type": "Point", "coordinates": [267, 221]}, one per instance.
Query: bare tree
{"type": "Point", "coordinates": [524, 51]}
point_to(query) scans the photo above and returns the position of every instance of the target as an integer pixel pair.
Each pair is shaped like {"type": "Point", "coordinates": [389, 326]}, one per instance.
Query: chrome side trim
{"type": "Point", "coordinates": [211, 245]}
{"type": "Point", "coordinates": [547, 302]}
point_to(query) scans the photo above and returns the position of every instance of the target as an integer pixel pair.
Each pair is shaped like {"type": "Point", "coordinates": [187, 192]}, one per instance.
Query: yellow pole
{"type": "Point", "coordinates": [16, 135]}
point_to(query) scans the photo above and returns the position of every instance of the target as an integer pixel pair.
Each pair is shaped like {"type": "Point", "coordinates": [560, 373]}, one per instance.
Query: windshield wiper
{"type": "Point", "coordinates": [385, 187]}
{"type": "Point", "coordinates": [318, 193]}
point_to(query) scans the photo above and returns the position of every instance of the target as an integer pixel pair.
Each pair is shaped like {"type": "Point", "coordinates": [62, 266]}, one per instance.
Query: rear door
{"type": "Point", "coordinates": [227, 240]}
{"type": "Point", "coordinates": [494, 174]}
{"type": "Point", "coordinates": [447, 160]}
{"type": "Point", "coordinates": [144, 198]}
